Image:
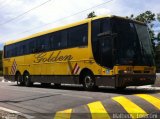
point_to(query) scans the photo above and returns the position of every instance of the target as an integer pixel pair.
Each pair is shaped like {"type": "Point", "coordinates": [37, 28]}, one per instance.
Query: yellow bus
{"type": "Point", "coordinates": [100, 51]}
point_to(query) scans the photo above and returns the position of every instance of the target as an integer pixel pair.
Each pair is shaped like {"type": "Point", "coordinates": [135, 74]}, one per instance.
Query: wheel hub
{"type": "Point", "coordinates": [89, 81]}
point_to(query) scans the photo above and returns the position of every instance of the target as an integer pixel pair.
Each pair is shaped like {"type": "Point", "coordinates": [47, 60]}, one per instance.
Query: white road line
{"type": "Point", "coordinates": [16, 112]}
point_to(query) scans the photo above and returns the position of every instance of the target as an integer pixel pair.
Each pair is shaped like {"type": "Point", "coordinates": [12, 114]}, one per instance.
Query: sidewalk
{"type": "Point", "coordinates": [157, 82]}
{"type": "Point", "coordinates": [1, 78]}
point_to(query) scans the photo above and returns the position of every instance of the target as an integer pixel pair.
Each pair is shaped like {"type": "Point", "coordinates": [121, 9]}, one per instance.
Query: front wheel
{"type": "Point", "coordinates": [27, 80]}
{"type": "Point", "coordinates": [121, 88]}
{"type": "Point", "coordinates": [89, 82]}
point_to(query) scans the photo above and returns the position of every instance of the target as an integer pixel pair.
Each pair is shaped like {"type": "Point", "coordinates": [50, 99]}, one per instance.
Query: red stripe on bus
{"type": "Point", "coordinates": [77, 70]}
{"type": "Point", "coordinates": [74, 68]}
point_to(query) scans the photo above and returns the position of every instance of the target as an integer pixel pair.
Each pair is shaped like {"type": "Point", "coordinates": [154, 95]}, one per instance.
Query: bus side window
{"type": "Point", "coordinates": [32, 46]}
{"type": "Point", "coordinates": [78, 36]}
{"type": "Point", "coordinates": [51, 41]}
{"type": "Point", "coordinates": [19, 49]}
{"type": "Point", "coordinates": [57, 42]}
{"type": "Point", "coordinates": [64, 38]}
{"type": "Point", "coordinates": [9, 51]}
{"type": "Point", "coordinates": [6, 52]}
{"type": "Point", "coordinates": [21, 52]}
{"type": "Point", "coordinates": [39, 46]}
{"type": "Point", "coordinates": [46, 42]}
{"type": "Point", "coordinates": [25, 47]}
{"type": "Point", "coordinates": [14, 50]}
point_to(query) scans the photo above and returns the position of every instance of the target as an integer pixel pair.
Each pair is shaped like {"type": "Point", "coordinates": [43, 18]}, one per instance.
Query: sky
{"type": "Point", "coordinates": [46, 14]}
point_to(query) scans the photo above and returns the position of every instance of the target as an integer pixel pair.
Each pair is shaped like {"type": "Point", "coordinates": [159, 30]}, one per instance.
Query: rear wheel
{"type": "Point", "coordinates": [19, 79]}
{"type": "Point", "coordinates": [45, 84]}
{"type": "Point", "coordinates": [89, 82]}
{"type": "Point", "coordinates": [57, 85]}
{"type": "Point", "coordinates": [27, 79]}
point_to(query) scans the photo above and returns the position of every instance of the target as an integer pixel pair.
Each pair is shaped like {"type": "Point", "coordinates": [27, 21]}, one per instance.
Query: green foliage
{"type": "Point", "coordinates": [147, 17]}
{"type": "Point", "coordinates": [158, 36]}
{"type": "Point", "coordinates": [158, 16]}
{"type": "Point", "coordinates": [130, 17]}
{"type": "Point", "coordinates": [92, 14]}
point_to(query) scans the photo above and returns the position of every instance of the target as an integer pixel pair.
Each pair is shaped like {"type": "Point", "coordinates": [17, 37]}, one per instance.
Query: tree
{"type": "Point", "coordinates": [130, 17]}
{"type": "Point", "coordinates": [92, 14]}
{"type": "Point", "coordinates": [158, 36]}
{"type": "Point", "coordinates": [158, 16]}
{"type": "Point", "coordinates": [147, 17]}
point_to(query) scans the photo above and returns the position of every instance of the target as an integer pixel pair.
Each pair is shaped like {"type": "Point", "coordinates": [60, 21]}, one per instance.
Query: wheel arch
{"type": "Point", "coordinates": [83, 72]}
{"type": "Point", "coordinates": [25, 72]}
{"type": "Point", "coordinates": [17, 72]}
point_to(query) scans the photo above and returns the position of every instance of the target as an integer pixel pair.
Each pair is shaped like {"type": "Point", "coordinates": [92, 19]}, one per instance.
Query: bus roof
{"type": "Point", "coordinates": [62, 27]}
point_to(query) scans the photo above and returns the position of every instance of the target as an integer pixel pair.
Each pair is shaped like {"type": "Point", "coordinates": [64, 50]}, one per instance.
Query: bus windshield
{"type": "Point", "coordinates": [132, 43]}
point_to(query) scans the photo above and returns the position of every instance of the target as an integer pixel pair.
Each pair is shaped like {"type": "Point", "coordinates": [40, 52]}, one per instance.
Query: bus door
{"type": "Point", "coordinates": [106, 50]}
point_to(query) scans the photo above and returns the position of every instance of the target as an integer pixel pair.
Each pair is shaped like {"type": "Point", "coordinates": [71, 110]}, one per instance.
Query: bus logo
{"type": "Point", "coordinates": [14, 67]}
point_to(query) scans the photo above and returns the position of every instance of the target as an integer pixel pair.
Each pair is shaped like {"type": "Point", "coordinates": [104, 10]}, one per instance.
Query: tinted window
{"type": "Point", "coordinates": [25, 47]}
{"type": "Point", "coordinates": [58, 40]}
{"type": "Point", "coordinates": [64, 38]}
{"type": "Point", "coordinates": [46, 43]}
{"type": "Point", "coordinates": [32, 45]}
{"type": "Point", "coordinates": [20, 49]}
{"type": "Point", "coordinates": [105, 52]}
{"type": "Point", "coordinates": [55, 41]}
{"type": "Point", "coordinates": [98, 26]}
{"type": "Point", "coordinates": [40, 43]}
{"type": "Point", "coordinates": [78, 36]}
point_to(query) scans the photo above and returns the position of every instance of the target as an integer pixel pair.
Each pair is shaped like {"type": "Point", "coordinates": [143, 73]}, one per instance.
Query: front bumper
{"type": "Point", "coordinates": [135, 79]}
{"type": "Point", "coordinates": [123, 80]}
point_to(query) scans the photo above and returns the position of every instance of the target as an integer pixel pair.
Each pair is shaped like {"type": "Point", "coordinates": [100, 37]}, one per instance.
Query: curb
{"type": "Point", "coordinates": [1, 78]}
{"type": "Point", "coordinates": [157, 82]}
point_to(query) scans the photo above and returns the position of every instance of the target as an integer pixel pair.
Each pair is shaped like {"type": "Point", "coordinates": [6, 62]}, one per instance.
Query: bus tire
{"type": "Point", "coordinates": [27, 79]}
{"type": "Point", "coordinates": [57, 85]}
{"type": "Point", "coordinates": [121, 88]}
{"type": "Point", "coordinates": [19, 79]}
{"type": "Point", "coordinates": [45, 84]}
{"type": "Point", "coordinates": [89, 81]}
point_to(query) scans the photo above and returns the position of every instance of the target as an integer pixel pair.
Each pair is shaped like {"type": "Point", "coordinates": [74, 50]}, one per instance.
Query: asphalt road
{"type": "Point", "coordinates": [72, 102]}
